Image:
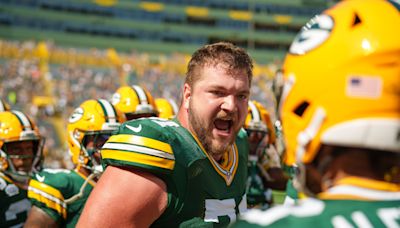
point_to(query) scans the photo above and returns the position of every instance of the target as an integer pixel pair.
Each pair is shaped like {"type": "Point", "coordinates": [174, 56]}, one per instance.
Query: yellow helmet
{"type": "Point", "coordinates": [259, 119]}
{"type": "Point", "coordinates": [258, 126]}
{"type": "Point", "coordinates": [4, 106]}
{"type": "Point", "coordinates": [93, 118]}
{"type": "Point", "coordinates": [135, 101]}
{"type": "Point", "coordinates": [342, 77]}
{"type": "Point", "coordinates": [15, 126]}
{"type": "Point", "coordinates": [167, 108]}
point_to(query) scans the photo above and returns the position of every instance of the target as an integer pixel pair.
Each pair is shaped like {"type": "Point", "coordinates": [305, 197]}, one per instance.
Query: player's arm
{"type": "Point", "coordinates": [38, 218]}
{"type": "Point", "coordinates": [274, 176]}
{"type": "Point", "coordinates": [124, 198]}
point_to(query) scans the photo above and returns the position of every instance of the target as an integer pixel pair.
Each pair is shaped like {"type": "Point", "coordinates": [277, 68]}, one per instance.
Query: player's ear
{"type": "Point", "coordinates": [187, 93]}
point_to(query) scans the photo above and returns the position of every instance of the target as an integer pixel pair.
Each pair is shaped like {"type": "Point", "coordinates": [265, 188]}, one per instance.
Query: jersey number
{"type": "Point", "coordinates": [16, 208]}
{"type": "Point", "coordinates": [216, 209]}
{"type": "Point", "coordinates": [388, 217]}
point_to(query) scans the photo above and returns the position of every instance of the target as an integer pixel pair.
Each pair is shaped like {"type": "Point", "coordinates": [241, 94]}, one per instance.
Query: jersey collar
{"type": "Point", "coordinates": [357, 188]}
{"type": "Point", "coordinates": [227, 169]}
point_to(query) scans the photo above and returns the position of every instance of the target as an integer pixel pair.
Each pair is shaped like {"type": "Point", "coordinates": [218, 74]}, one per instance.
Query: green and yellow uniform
{"type": "Point", "coordinates": [258, 196]}
{"type": "Point", "coordinates": [51, 190]}
{"type": "Point", "coordinates": [14, 204]}
{"type": "Point", "coordinates": [292, 195]}
{"type": "Point", "coordinates": [352, 202]}
{"type": "Point", "coordinates": [200, 190]}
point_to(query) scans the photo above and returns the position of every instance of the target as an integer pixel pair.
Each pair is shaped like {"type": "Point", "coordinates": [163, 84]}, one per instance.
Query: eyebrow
{"type": "Point", "coordinates": [218, 87]}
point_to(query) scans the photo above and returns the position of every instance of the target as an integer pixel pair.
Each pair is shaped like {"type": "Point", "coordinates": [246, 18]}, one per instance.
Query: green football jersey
{"type": "Point", "coordinates": [200, 190]}
{"type": "Point", "coordinates": [292, 195]}
{"type": "Point", "coordinates": [353, 203]}
{"type": "Point", "coordinates": [50, 190]}
{"type": "Point", "coordinates": [14, 204]}
{"type": "Point", "coordinates": [258, 196]}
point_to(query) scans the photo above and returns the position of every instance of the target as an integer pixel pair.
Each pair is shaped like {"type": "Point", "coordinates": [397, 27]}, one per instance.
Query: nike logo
{"type": "Point", "coordinates": [135, 129]}
{"type": "Point", "coordinates": [40, 178]}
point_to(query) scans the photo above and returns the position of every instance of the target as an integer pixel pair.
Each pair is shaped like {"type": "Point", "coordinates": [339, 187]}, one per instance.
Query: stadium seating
{"type": "Point", "coordinates": [264, 27]}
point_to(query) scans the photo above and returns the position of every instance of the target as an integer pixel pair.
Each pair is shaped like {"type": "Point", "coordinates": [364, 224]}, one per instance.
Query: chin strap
{"type": "Point", "coordinates": [81, 190]}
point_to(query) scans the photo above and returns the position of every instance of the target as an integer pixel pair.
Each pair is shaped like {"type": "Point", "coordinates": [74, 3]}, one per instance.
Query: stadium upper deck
{"type": "Point", "coordinates": [265, 28]}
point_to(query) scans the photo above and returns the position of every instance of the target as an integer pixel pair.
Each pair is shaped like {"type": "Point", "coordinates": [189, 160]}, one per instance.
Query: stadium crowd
{"type": "Point", "coordinates": [215, 159]}
{"type": "Point", "coordinates": [75, 75]}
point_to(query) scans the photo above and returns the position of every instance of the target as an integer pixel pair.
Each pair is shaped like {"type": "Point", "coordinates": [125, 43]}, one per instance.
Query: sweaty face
{"type": "Point", "coordinates": [21, 154]}
{"type": "Point", "coordinates": [218, 107]}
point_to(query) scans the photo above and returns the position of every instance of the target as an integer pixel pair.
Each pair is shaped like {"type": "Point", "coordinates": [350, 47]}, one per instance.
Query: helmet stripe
{"type": "Point", "coordinates": [141, 94]}
{"type": "Point", "coordinates": [3, 106]}
{"type": "Point", "coordinates": [24, 120]}
{"type": "Point", "coordinates": [109, 110]}
{"type": "Point", "coordinates": [254, 112]}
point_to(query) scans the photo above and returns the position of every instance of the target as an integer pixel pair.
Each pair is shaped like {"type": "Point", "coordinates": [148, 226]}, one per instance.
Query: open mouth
{"type": "Point", "coordinates": [223, 125]}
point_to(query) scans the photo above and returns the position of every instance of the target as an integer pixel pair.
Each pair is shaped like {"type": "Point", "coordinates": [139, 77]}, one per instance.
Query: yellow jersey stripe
{"type": "Point", "coordinates": [235, 160]}
{"type": "Point", "coordinates": [328, 196]}
{"type": "Point", "coordinates": [137, 149]}
{"type": "Point", "coordinates": [47, 189]}
{"type": "Point", "coordinates": [368, 183]}
{"type": "Point", "coordinates": [141, 141]}
{"type": "Point", "coordinates": [48, 200]}
{"type": "Point", "coordinates": [138, 158]}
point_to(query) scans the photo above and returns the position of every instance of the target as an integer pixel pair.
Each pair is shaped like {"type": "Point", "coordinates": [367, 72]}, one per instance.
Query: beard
{"type": "Point", "coordinates": [203, 132]}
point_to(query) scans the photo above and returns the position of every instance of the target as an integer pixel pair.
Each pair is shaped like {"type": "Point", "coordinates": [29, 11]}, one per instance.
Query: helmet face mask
{"type": "Point", "coordinates": [343, 89]}
{"type": "Point", "coordinates": [21, 146]}
{"type": "Point", "coordinates": [89, 127]}
{"type": "Point", "coordinates": [93, 141]}
{"type": "Point", "coordinates": [27, 154]}
{"type": "Point", "coordinates": [257, 126]}
{"type": "Point", "coordinates": [91, 145]}
{"type": "Point", "coordinates": [258, 141]}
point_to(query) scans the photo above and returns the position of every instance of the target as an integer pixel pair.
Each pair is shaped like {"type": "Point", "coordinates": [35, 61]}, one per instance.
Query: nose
{"type": "Point", "coordinates": [229, 104]}
{"type": "Point", "coordinates": [22, 163]}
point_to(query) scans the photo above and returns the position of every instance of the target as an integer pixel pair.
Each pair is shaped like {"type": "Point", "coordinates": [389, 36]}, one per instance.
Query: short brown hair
{"type": "Point", "coordinates": [234, 57]}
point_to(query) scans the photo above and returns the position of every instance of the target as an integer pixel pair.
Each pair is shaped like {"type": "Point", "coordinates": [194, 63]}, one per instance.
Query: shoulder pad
{"type": "Point", "coordinates": [143, 143]}
{"type": "Point", "coordinates": [50, 182]}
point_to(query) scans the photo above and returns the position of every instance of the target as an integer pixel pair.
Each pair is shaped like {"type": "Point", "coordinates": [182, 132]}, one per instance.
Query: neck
{"type": "Point", "coordinates": [217, 157]}
{"type": "Point", "coordinates": [183, 118]}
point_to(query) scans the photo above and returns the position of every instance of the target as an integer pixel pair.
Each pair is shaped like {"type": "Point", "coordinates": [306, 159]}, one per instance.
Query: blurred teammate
{"type": "Point", "coordinates": [341, 119]}
{"type": "Point", "coordinates": [135, 101]}
{"type": "Point", "coordinates": [20, 157]}
{"type": "Point", "coordinates": [265, 172]}
{"type": "Point", "coordinates": [58, 195]}
{"type": "Point", "coordinates": [189, 171]}
{"type": "Point", "coordinates": [167, 108]}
